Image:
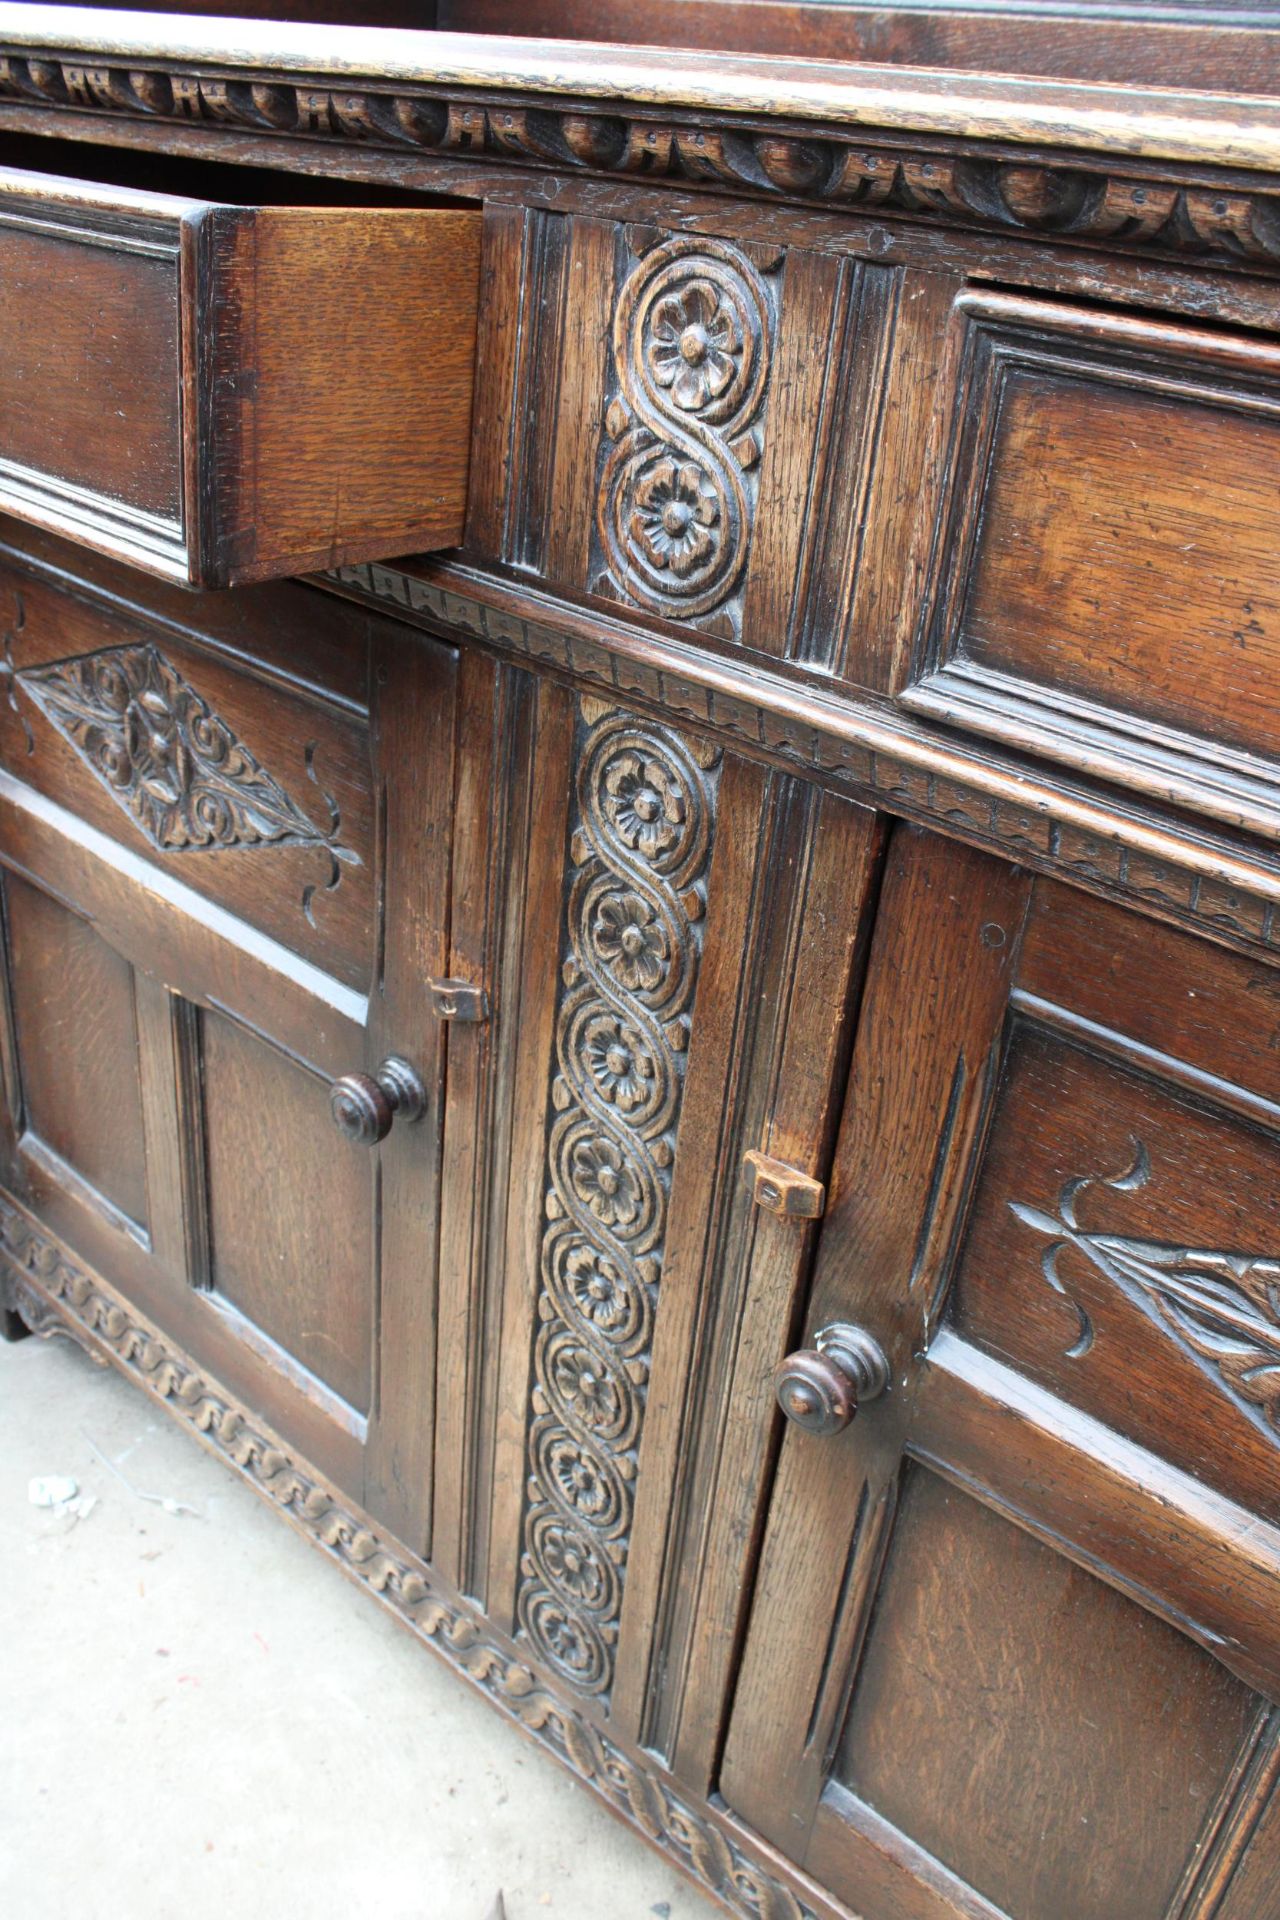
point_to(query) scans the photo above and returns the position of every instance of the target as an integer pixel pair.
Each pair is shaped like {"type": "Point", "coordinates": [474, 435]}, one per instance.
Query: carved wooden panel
{"type": "Point", "coordinates": [694, 426]}
{"type": "Point", "coordinates": [163, 755]}
{"type": "Point", "coordinates": [641, 839]}
{"type": "Point", "coordinates": [1224, 1306]}
{"type": "Point", "coordinates": [148, 720]}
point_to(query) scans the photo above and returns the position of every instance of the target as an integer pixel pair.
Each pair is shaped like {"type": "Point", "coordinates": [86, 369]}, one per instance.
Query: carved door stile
{"type": "Point", "coordinates": [679, 889]}
{"type": "Point", "coordinates": [501, 784]}
{"type": "Point", "coordinates": [1032, 1567]}
{"type": "Point", "coordinates": [766, 1073]}
{"type": "Point", "coordinates": [628, 851]}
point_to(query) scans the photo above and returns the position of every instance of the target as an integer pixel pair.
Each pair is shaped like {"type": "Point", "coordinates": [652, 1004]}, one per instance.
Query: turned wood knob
{"type": "Point", "coordinates": [363, 1105]}
{"type": "Point", "coordinates": [820, 1388]}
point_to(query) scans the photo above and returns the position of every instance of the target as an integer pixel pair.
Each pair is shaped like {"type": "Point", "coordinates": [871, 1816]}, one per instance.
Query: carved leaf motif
{"type": "Point", "coordinates": [164, 756]}
{"type": "Point", "coordinates": [1224, 1306]}
{"type": "Point", "coordinates": [1227, 223]}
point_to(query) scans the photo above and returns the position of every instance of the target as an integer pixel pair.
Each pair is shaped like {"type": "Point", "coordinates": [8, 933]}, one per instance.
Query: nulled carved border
{"type": "Point", "coordinates": [873, 772]}
{"type": "Point", "coordinates": [788, 162]}
{"type": "Point", "coordinates": [52, 1293]}
{"type": "Point", "coordinates": [640, 846]}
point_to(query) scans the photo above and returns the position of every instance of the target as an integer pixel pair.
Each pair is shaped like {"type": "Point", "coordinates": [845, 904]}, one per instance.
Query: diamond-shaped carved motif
{"type": "Point", "coordinates": [164, 755]}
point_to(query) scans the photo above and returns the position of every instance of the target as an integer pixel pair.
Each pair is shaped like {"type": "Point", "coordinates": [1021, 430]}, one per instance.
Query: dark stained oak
{"type": "Point", "coordinates": [691, 1089]}
{"type": "Point", "coordinates": [1111, 475]}
{"type": "Point", "coordinates": [981, 1606]}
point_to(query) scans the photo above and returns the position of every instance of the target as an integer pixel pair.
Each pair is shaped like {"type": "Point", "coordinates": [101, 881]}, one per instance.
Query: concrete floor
{"type": "Point", "coordinates": [201, 1717]}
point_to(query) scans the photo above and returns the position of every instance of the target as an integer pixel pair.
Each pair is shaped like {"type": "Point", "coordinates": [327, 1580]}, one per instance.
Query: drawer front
{"type": "Point", "coordinates": [220, 393]}
{"type": "Point", "coordinates": [1107, 577]}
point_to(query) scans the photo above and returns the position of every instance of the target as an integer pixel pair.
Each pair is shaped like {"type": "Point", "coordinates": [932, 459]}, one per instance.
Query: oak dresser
{"type": "Point", "coordinates": [687, 1079]}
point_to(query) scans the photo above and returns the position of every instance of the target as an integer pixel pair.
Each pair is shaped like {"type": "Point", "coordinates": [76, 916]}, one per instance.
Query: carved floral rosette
{"type": "Point", "coordinates": [640, 851]}
{"type": "Point", "coordinates": [691, 344]}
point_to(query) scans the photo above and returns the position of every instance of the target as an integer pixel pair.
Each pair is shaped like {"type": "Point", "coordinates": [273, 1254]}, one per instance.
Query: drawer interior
{"type": "Point", "coordinates": [244, 378]}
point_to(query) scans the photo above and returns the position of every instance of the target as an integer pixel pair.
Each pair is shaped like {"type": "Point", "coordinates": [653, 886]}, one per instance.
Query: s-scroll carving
{"type": "Point", "coordinates": [1224, 1306]}
{"type": "Point", "coordinates": [692, 343]}
{"type": "Point", "coordinates": [640, 851]}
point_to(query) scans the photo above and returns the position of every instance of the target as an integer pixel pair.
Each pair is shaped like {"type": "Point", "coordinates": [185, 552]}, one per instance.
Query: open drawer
{"type": "Point", "coordinates": [221, 393]}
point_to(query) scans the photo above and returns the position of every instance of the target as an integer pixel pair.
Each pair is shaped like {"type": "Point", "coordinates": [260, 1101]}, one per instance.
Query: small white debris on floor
{"type": "Point", "coordinates": [52, 1489]}
{"type": "Point", "coordinates": [203, 1720]}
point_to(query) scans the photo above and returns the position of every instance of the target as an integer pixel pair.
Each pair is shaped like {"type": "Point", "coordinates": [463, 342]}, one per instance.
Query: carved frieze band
{"type": "Point", "coordinates": [640, 847]}
{"type": "Point", "coordinates": [1224, 1306]}
{"type": "Point", "coordinates": [52, 1293]}
{"type": "Point", "coordinates": [797, 163]}
{"type": "Point", "coordinates": [1026, 829]}
{"type": "Point", "coordinates": [692, 341]}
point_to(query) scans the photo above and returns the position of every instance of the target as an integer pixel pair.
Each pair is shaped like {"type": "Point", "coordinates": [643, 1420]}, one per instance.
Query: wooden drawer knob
{"type": "Point", "coordinates": [820, 1388]}
{"type": "Point", "coordinates": [363, 1105]}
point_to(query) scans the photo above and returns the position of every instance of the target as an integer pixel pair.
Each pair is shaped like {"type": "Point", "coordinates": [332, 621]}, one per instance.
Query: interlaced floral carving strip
{"type": "Point", "coordinates": [640, 848]}
{"type": "Point", "coordinates": [691, 343]}
{"type": "Point", "coordinates": [1224, 1306]}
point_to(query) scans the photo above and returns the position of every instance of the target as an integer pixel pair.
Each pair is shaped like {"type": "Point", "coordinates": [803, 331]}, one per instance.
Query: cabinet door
{"type": "Point", "coordinates": [1017, 1628]}
{"type": "Point", "coordinates": [225, 834]}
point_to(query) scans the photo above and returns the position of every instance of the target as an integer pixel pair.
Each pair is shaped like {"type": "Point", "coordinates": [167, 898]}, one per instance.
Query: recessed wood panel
{"type": "Point", "coordinates": [1107, 579]}
{"type": "Point", "coordinates": [75, 1017]}
{"type": "Point", "coordinates": [290, 1209]}
{"type": "Point", "coordinates": [1128, 553]}
{"type": "Point", "coordinates": [71, 402]}
{"type": "Point", "coordinates": [1044, 1738]}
